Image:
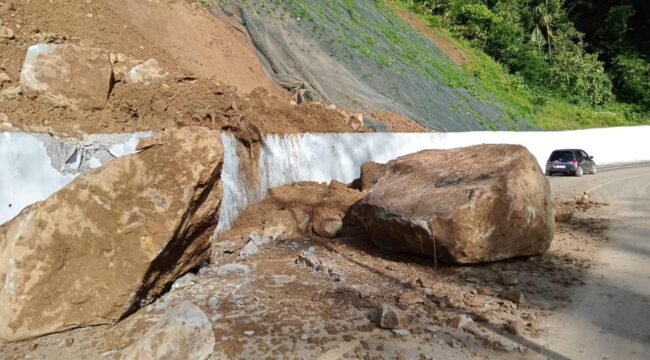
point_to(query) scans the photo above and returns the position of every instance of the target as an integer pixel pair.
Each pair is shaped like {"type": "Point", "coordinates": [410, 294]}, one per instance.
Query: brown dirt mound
{"type": "Point", "coordinates": [397, 122]}
{"type": "Point", "coordinates": [180, 34]}
{"type": "Point", "coordinates": [186, 40]}
{"type": "Point", "coordinates": [177, 103]}
{"type": "Point", "coordinates": [295, 207]}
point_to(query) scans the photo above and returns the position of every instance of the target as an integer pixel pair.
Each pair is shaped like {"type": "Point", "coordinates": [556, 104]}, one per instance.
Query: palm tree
{"type": "Point", "coordinates": [545, 21]}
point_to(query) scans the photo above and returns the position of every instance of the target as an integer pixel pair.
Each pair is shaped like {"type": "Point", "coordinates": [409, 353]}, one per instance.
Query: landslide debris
{"type": "Point", "coordinates": [466, 205]}
{"type": "Point", "coordinates": [183, 333]}
{"type": "Point", "coordinates": [113, 239]}
{"type": "Point", "coordinates": [160, 78]}
{"type": "Point", "coordinates": [297, 210]}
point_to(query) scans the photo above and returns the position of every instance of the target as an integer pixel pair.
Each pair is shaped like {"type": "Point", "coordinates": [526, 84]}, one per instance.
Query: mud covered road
{"type": "Point", "coordinates": [609, 318]}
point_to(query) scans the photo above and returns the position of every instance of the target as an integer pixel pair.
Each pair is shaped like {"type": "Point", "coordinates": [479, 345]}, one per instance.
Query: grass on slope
{"type": "Point", "coordinates": [545, 110]}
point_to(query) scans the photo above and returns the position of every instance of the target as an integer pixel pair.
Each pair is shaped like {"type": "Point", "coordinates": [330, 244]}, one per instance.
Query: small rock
{"type": "Point", "coordinates": [183, 333]}
{"type": "Point", "coordinates": [110, 353]}
{"type": "Point", "coordinates": [4, 78]}
{"type": "Point", "coordinates": [411, 297]}
{"type": "Point", "coordinates": [582, 199]}
{"type": "Point", "coordinates": [401, 332]}
{"type": "Point", "coordinates": [214, 303]}
{"type": "Point", "coordinates": [515, 296]}
{"type": "Point", "coordinates": [48, 38]}
{"type": "Point", "coordinates": [356, 121]}
{"type": "Point", "coordinates": [145, 73]}
{"type": "Point", "coordinates": [461, 321]}
{"type": "Point", "coordinates": [309, 252]}
{"type": "Point", "coordinates": [432, 329]}
{"type": "Point", "coordinates": [487, 291]}
{"type": "Point", "coordinates": [531, 317]}
{"type": "Point", "coordinates": [304, 337]}
{"type": "Point", "coordinates": [273, 232]}
{"type": "Point", "coordinates": [508, 278]}
{"type": "Point", "coordinates": [456, 344]}
{"type": "Point", "coordinates": [369, 171]}
{"type": "Point", "coordinates": [256, 240]}
{"type": "Point", "coordinates": [229, 269]}
{"type": "Point", "coordinates": [249, 249]}
{"type": "Point", "coordinates": [11, 93]}
{"type": "Point", "coordinates": [249, 333]}
{"type": "Point", "coordinates": [310, 261]}
{"type": "Point", "coordinates": [6, 33]}
{"type": "Point", "coordinates": [282, 280]}
{"type": "Point", "coordinates": [67, 342]}
{"type": "Point", "coordinates": [391, 317]}
{"type": "Point", "coordinates": [186, 280]}
{"type": "Point", "coordinates": [516, 327]}
{"type": "Point", "coordinates": [328, 228]}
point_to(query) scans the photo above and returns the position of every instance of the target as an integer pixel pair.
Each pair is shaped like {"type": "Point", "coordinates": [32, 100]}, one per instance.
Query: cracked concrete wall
{"type": "Point", "coordinates": [33, 166]}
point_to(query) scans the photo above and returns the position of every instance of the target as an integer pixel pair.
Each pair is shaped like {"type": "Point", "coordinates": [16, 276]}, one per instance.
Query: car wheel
{"type": "Point", "coordinates": [594, 170]}
{"type": "Point", "coordinates": [579, 171]}
{"type": "Point", "coordinates": [548, 173]}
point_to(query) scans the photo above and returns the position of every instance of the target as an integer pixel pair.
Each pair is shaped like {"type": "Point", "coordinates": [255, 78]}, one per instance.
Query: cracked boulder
{"type": "Point", "coordinates": [467, 205]}
{"type": "Point", "coordinates": [67, 75]}
{"type": "Point", "coordinates": [113, 239]}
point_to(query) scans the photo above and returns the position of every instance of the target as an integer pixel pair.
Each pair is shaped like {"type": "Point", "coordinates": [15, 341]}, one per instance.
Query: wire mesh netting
{"type": "Point", "coordinates": [361, 55]}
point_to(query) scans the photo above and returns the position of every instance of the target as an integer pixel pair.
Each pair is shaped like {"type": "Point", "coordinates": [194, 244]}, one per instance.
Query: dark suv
{"type": "Point", "coordinates": [570, 161]}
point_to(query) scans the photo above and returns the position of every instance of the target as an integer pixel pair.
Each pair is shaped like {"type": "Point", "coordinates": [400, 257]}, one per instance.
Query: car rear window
{"type": "Point", "coordinates": [562, 156]}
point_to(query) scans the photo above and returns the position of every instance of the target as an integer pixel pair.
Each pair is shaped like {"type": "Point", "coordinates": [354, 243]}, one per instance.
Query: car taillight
{"type": "Point", "coordinates": [574, 161]}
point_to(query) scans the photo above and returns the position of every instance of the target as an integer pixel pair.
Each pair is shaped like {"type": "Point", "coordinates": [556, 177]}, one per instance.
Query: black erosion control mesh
{"type": "Point", "coordinates": [360, 55]}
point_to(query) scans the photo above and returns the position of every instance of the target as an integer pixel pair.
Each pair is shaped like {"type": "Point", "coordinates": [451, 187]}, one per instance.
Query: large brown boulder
{"type": "Point", "coordinates": [467, 205]}
{"type": "Point", "coordinates": [67, 75]}
{"type": "Point", "coordinates": [113, 239]}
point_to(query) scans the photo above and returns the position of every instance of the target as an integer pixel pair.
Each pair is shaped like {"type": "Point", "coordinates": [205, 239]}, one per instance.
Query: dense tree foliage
{"type": "Point", "coordinates": [587, 51]}
{"type": "Point", "coordinates": [619, 31]}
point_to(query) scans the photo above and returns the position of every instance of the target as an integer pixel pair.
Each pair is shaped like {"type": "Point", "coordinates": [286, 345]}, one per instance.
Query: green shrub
{"type": "Point", "coordinates": [632, 78]}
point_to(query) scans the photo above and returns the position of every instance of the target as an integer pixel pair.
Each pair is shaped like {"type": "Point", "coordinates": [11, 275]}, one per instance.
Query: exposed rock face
{"type": "Point", "coordinates": [184, 333]}
{"type": "Point", "coordinates": [67, 75]}
{"type": "Point", "coordinates": [468, 205]}
{"type": "Point", "coordinates": [113, 239]}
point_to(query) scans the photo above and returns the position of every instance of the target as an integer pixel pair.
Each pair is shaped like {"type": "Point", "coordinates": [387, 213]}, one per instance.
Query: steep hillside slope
{"type": "Point", "coordinates": [361, 55]}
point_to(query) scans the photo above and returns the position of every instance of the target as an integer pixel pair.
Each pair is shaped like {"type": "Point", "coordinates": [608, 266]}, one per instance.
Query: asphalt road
{"type": "Point", "coordinates": [609, 317]}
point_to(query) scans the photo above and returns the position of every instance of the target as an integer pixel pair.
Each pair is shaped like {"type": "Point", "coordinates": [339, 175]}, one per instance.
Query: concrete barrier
{"type": "Point", "coordinates": [33, 166]}
{"type": "Point", "coordinates": [325, 157]}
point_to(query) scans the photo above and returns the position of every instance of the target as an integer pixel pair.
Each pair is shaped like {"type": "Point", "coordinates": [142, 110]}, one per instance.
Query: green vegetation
{"type": "Point", "coordinates": [540, 64]}
{"type": "Point", "coordinates": [559, 64]}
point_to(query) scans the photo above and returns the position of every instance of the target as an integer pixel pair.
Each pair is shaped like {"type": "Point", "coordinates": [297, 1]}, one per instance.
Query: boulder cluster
{"type": "Point", "coordinates": [117, 237]}
{"type": "Point", "coordinates": [79, 77]}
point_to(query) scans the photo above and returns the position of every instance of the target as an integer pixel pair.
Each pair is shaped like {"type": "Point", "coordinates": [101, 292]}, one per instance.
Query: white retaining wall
{"type": "Point", "coordinates": [324, 157]}
{"type": "Point", "coordinates": [34, 166]}
{"type": "Point", "coordinates": [28, 172]}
